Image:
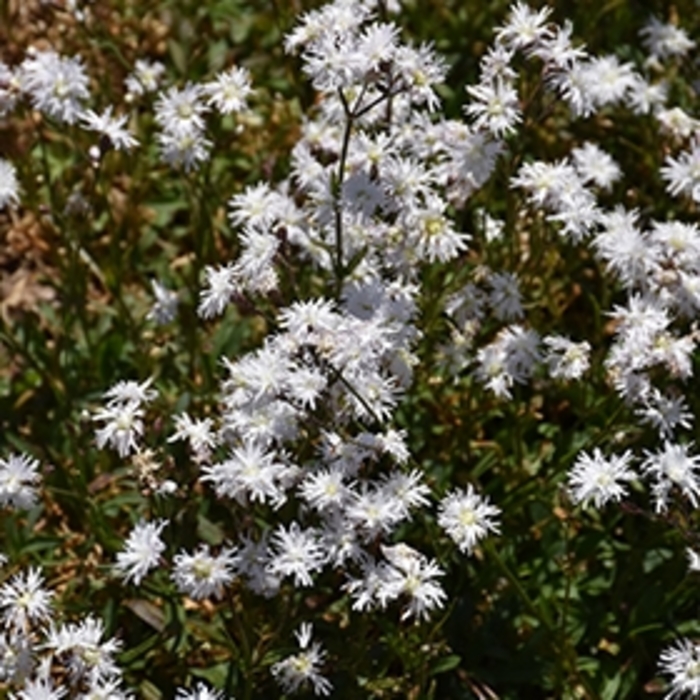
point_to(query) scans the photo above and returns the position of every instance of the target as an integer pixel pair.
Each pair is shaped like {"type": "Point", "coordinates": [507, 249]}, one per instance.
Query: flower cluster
{"type": "Point", "coordinates": [302, 454]}
{"type": "Point", "coordinates": [45, 658]}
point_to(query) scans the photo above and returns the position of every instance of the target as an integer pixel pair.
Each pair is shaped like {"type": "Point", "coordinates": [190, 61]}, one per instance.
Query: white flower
{"type": "Point", "coordinates": [309, 321]}
{"type": "Point", "coordinates": [122, 426]}
{"type": "Point", "coordinates": [375, 512]}
{"type": "Point", "coordinates": [377, 45]}
{"type": "Point", "coordinates": [144, 78]}
{"type": "Point", "coordinates": [418, 70]}
{"type": "Point", "coordinates": [674, 120]}
{"type": "Point", "coordinates": [411, 575]}
{"type": "Point", "coordinates": [164, 309]}
{"type": "Point", "coordinates": [338, 18]}
{"type": "Point", "coordinates": [181, 110]}
{"type": "Point", "coordinates": [434, 234]}
{"type": "Point", "coordinates": [406, 181]}
{"type": "Point", "coordinates": [375, 395]}
{"type": "Point", "coordinates": [56, 85]}
{"type": "Point", "coordinates": [505, 298]}
{"type": "Point", "coordinates": [593, 164]}
{"type": "Point", "coordinates": [179, 113]}
{"type": "Point", "coordinates": [578, 215]}
{"type": "Point", "coordinates": [297, 553]}
{"type": "Point", "coordinates": [325, 490]}
{"type": "Point", "coordinates": [199, 692]}
{"type": "Point", "coordinates": [254, 269]}
{"type": "Point", "coordinates": [259, 377]}
{"type": "Point", "coordinates": [305, 385]}
{"type": "Point", "coordinates": [81, 649]}
{"type": "Point", "coordinates": [665, 412]}
{"type": "Point", "coordinates": [229, 90]}
{"type": "Point", "coordinates": [624, 247]}
{"type": "Point", "coordinates": [39, 689]}
{"type": "Point", "coordinates": [16, 656]}
{"type": "Point", "coordinates": [405, 489]}
{"type": "Point", "coordinates": [496, 64]}
{"type": "Point", "coordinates": [609, 80]}
{"type": "Point", "coordinates": [467, 517]}
{"type": "Point", "coordinates": [110, 127]}
{"type": "Point", "coordinates": [184, 146]}
{"type": "Point", "coordinates": [576, 85]}
{"type": "Point", "coordinates": [678, 243]}
{"type": "Point", "coordinates": [105, 689]}
{"type": "Point", "coordinates": [251, 472]}
{"type": "Point", "coordinates": [9, 89]}
{"type": "Point", "coordinates": [18, 479]}
{"type": "Point", "coordinates": [682, 663]}
{"type": "Point", "coordinates": [221, 287]}
{"type": "Point", "coordinates": [123, 415]}
{"type": "Point", "coordinates": [566, 359]}
{"type": "Point", "coordinates": [130, 391]}
{"type": "Point", "coordinates": [467, 305]}
{"type": "Point", "coordinates": [525, 26]}
{"type": "Point", "coordinates": [646, 97]}
{"type": "Point", "coordinates": [366, 590]}
{"type": "Point", "coordinates": [256, 207]}
{"type": "Point", "coordinates": [340, 540]}
{"type": "Point", "coordinates": [253, 563]}
{"type": "Point", "coordinates": [546, 182]}
{"type": "Point", "coordinates": [673, 468]}
{"type": "Point", "coordinates": [302, 669]}
{"type": "Point", "coordinates": [9, 188]}
{"type": "Point", "coordinates": [494, 229]}
{"type": "Point", "coordinates": [331, 62]}
{"type": "Point", "coordinates": [557, 49]}
{"type": "Point", "coordinates": [592, 83]}
{"type": "Point", "coordinates": [198, 433]}
{"type": "Point", "coordinates": [393, 443]}
{"type": "Point", "coordinates": [665, 40]}
{"type": "Point", "coordinates": [510, 358]}
{"type": "Point", "coordinates": [492, 369]}
{"type": "Point", "coordinates": [141, 552]}
{"type": "Point", "coordinates": [595, 478]}
{"type": "Point", "coordinates": [495, 107]}
{"type": "Point", "coordinates": [683, 173]}
{"type": "Point", "coordinates": [693, 559]}
{"type": "Point", "coordinates": [24, 600]}
{"type": "Point", "coordinates": [201, 575]}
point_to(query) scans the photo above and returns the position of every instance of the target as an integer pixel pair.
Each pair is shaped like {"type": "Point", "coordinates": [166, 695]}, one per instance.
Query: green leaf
{"type": "Point", "coordinates": [446, 663]}
{"type": "Point", "coordinates": [151, 614]}
{"type": "Point", "coordinates": [177, 53]}
{"type": "Point", "coordinates": [216, 675]}
{"type": "Point", "coordinates": [136, 656]}
{"type": "Point", "coordinates": [610, 688]}
{"type": "Point", "coordinates": [149, 691]}
{"type": "Point", "coordinates": [209, 531]}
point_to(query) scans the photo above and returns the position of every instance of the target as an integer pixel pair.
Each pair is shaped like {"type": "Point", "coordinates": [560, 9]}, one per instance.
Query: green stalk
{"type": "Point", "coordinates": [337, 185]}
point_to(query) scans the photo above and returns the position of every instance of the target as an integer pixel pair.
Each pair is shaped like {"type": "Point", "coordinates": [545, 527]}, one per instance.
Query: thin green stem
{"type": "Point", "coordinates": [241, 629]}
{"type": "Point", "coordinates": [337, 185]}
